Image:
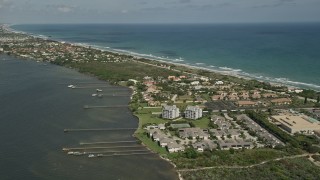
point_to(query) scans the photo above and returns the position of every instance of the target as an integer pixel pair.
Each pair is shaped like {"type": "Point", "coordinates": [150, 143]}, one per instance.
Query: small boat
{"type": "Point", "coordinates": [94, 95]}
{"type": "Point", "coordinates": [99, 90]}
{"type": "Point", "coordinates": [70, 153]}
{"type": "Point", "coordinates": [99, 155]}
{"type": "Point", "coordinates": [100, 95]}
{"type": "Point", "coordinates": [77, 153]}
{"type": "Point", "coordinates": [91, 155]}
{"type": "Point", "coordinates": [70, 86]}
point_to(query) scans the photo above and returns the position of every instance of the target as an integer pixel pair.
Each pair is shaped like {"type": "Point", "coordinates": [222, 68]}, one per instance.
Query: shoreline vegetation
{"type": "Point", "coordinates": [155, 83]}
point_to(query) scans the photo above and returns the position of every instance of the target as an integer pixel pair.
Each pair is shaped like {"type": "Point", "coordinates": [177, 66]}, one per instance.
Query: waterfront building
{"type": "Point", "coordinates": [170, 112]}
{"type": "Point", "coordinates": [193, 112]}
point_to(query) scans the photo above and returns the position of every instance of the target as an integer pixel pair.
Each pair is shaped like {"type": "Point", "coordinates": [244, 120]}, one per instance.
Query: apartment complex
{"type": "Point", "coordinates": [193, 112]}
{"type": "Point", "coordinates": [170, 112]}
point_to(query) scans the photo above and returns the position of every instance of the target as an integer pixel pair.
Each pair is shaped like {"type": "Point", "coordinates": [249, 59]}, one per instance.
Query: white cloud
{"type": "Point", "coordinates": [5, 3]}
{"type": "Point", "coordinates": [64, 8]}
{"type": "Point", "coordinates": [124, 11]}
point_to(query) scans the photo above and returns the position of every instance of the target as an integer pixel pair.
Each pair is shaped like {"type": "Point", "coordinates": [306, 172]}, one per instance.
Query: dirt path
{"type": "Point", "coordinates": [244, 167]}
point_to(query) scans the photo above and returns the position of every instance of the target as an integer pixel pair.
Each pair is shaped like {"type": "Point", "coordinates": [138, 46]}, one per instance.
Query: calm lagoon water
{"type": "Point", "coordinates": [36, 106]}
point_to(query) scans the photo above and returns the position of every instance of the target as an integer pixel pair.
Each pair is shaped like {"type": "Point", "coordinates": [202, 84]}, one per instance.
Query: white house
{"type": "Point", "coordinates": [195, 83]}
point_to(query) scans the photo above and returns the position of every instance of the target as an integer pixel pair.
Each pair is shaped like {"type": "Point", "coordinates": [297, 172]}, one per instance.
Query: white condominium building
{"type": "Point", "coordinates": [170, 112]}
{"type": "Point", "coordinates": [193, 112]}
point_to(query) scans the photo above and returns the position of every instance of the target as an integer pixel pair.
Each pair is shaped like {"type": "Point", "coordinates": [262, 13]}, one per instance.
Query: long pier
{"type": "Point", "coordinates": [110, 142]}
{"type": "Point", "coordinates": [89, 87]}
{"type": "Point", "coordinates": [82, 83]}
{"type": "Point", "coordinates": [116, 95]}
{"type": "Point", "coordinates": [131, 154]}
{"type": "Point", "coordinates": [111, 147]}
{"type": "Point", "coordinates": [98, 129]}
{"type": "Point", "coordinates": [115, 106]}
{"type": "Point", "coordinates": [126, 151]}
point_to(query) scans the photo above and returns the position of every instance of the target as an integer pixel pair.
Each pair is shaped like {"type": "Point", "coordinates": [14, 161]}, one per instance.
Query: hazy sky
{"type": "Point", "coordinates": [158, 11]}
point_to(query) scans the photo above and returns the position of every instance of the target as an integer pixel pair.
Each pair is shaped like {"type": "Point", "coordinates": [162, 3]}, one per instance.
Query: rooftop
{"type": "Point", "coordinates": [297, 121]}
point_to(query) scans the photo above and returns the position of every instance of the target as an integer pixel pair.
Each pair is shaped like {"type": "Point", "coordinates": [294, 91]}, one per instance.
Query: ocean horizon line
{"type": "Point", "coordinates": [164, 23]}
{"type": "Point", "coordinates": [225, 70]}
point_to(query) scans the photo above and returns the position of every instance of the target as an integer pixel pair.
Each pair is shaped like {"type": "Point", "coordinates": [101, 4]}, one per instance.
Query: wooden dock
{"type": "Point", "coordinates": [116, 95]}
{"type": "Point", "coordinates": [82, 83]}
{"type": "Point", "coordinates": [125, 151]}
{"type": "Point", "coordinates": [115, 106]}
{"type": "Point", "coordinates": [109, 142]}
{"type": "Point", "coordinates": [99, 129]}
{"type": "Point", "coordinates": [131, 154]}
{"type": "Point", "coordinates": [110, 147]}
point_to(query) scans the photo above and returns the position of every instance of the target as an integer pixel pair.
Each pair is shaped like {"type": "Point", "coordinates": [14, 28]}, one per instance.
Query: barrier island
{"type": "Point", "coordinates": [208, 124]}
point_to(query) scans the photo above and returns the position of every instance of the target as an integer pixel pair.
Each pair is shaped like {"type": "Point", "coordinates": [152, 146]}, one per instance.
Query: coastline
{"type": "Point", "coordinates": [227, 71]}
{"type": "Point", "coordinates": [130, 97]}
{"type": "Point", "coordinates": [150, 64]}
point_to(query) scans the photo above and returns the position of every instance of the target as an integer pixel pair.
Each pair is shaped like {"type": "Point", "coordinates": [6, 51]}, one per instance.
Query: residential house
{"type": "Point", "coordinates": [219, 97]}
{"type": "Point", "coordinates": [218, 83]}
{"type": "Point", "coordinates": [233, 97]}
{"type": "Point", "coordinates": [204, 145]}
{"type": "Point", "coordinates": [222, 123]}
{"type": "Point", "coordinates": [195, 83]}
{"type": "Point", "coordinates": [165, 141]}
{"type": "Point", "coordinates": [244, 95]}
{"type": "Point", "coordinates": [269, 95]}
{"type": "Point", "coordinates": [193, 133]}
{"type": "Point", "coordinates": [152, 89]}
{"type": "Point", "coordinates": [235, 144]}
{"type": "Point", "coordinates": [281, 101]}
{"type": "Point", "coordinates": [149, 83]}
{"type": "Point", "coordinates": [203, 78]}
{"type": "Point", "coordinates": [175, 147]}
{"type": "Point", "coordinates": [246, 103]}
{"type": "Point", "coordinates": [215, 117]}
{"type": "Point", "coordinates": [232, 133]}
{"type": "Point", "coordinates": [218, 133]}
{"type": "Point", "coordinates": [256, 95]}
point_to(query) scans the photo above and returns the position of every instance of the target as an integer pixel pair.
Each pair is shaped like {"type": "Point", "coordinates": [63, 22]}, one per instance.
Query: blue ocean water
{"type": "Point", "coordinates": [283, 53]}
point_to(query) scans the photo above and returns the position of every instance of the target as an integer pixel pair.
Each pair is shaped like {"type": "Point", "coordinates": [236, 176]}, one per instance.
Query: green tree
{"type": "Point", "coordinates": [130, 83]}
{"type": "Point", "coordinates": [191, 153]}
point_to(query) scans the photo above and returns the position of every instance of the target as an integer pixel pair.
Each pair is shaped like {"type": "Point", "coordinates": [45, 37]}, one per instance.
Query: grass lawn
{"type": "Point", "coordinates": [154, 146]}
{"type": "Point", "coordinates": [202, 122]}
{"type": "Point", "coordinates": [185, 97]}
{"type": "Point", "coordinates": [148, 118]}
{"type": "Point", "coordinates": [149, 110]}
